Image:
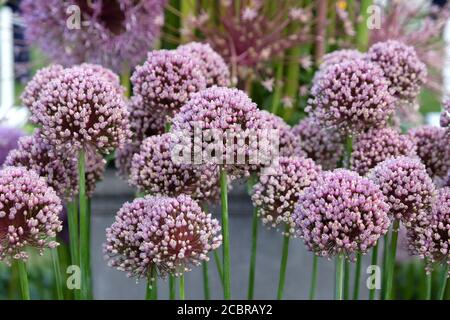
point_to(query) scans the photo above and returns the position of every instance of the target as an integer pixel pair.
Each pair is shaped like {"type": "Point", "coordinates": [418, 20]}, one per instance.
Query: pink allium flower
{"type": "Point", "coordinates": [29, 213]}
{"type": "Point", "coordinates": [325, 146]}
{"type": "Point", "coordinates": [106, 74]}
{"type": "Point", "coordinates": [276, 195]}
{"type": "Point", "coordinates": [167, 80]}
{"type": "Point", "coordinates": [9, 138]}
{"type": "Point", "coordinates": [216, 70]}
{"type": "Point", "coordinates": [59, 171]}
{"type": "Point", "coordinates": [401, 66]}
{"type": "Point", "coordinates": [144, 123]}
{"type": "Point", "coordinates": [116, 34]}
{"type": "Point", "coordinates": [170, 234]}
{"type": "Point", "coordinates": [81, 110]}
{"type": "Point", "coordinates": [338, 56]}
{"type": "Point", "coordinates": [351, 96]}
{"type": "Point", "coordinates": [377, 145]}
{"type": "Point", "coordinates": [341, 213]}
{"type": "Point", "coordinates": [406, 185]}
{"type": "Point", "coordinates": [433, 149]}
{"type": "Point", "coordinates": [154, 172]}
{"type": "Point", "coordinates": [445, 115]}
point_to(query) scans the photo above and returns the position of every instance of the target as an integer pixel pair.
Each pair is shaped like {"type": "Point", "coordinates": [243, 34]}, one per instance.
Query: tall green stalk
{"type": "Point", "coordinates": [347, 267]}
{"type": "Point", "coordinates": [339, 280]}
{"type": "Point", "coordinates": [172, 287]}
{"type": "Point", "coordinates": [219, 266]}
{"type": "Point", "coordinates": [182, 296]}
{"type": "Point", "coordinates": [72, 219]}
{"type": "Point", "coordinates": [152, 285]}
{"type": "Point", "coordinates": [283, 264]}
{"type": "Point", "coordinates": [357, 277]}
{"type": "Point", "coordinates": [278, 86]}
{"type": "Point", "coordinates": [225, 234]}
{"type": "Point", "coordinates": [23, 279]}
{"type": "Point", "coordinates": [374, 262]}
{"type": "Point", "coordinates": [362, 31]}
{"type": "Point", "coordinates": [312, 289]}
{"type": "Point", "coordinates": [429, 282]}
{"type": "Point", "coordinates": [443, 282]}
{"type": "Point", "coordinates": [251, 273]}
{"type": "Point", "coordinates": [391, 260]}
{"type": "Point", "coordinates": [84, 228]}
{"type": "Point", "coordinates": [206, 280]}
{"type": "Point", "coordinates": [385, 264]}
{"type": "Point", "coordinates": [57, 272]}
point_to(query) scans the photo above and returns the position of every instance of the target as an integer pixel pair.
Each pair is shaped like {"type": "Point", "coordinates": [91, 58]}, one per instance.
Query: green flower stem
{"type": "Point", "coordinates": [251, 273]}
{"type": "Point", "coordinates": [182, 297]}
{"type": "Point", "coordinates": [362, 31]}
{"type": "Point", "coordinates": [72, 217]}
{"type": "Point", "coordinates": [187, 10]}
{"type": "Point", "coordinates": [84, 228]}
{"type": "Point", "coordinates": [391, 260]}
{"type": "Point", "coordinates": [225, 234]}
{"type": "Point", "coordinates": [374, 262]}
{"type": "Point", "coordinates": [339, 281]}
{"type": "Point", "coordinates": [312, 289]}
{"type": "Point", "coordinates": [357, 277]}
{"type": "Point", "coordinates": [429, 282]}
{"type": "Point", "coordinates": [90, 284]}
{"type": "Point", "coordinates": [152, 285]}
{"type": "Point", "coordinates": [172, 287]}
{"type": "Point", "coordinates": [125, 81]}
{"type": "Point", "coordinates": [219, 266]}
{"type": "Point", "coordinates": [385, 261]}
{"type": "Point", "coordinates": [206, 280]}
{"type": "Point", "coordinates": [283, 264]}
{"type": "Point", "coordinates": [347, 267]}
{"type": "Point", "coordinates": [23, 279]}
{"type": "Point", "coordinates": [443, 282]}
{"type": "Point", "coordinates": [278, 86]}
{"type": "Point", "coordinates": [57, 271]}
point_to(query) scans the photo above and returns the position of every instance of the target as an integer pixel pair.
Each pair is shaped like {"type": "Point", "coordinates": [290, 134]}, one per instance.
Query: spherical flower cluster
{"type": "Point", "coordinates": [169, 234]}
{"type": "Point", "coordinates": [229, 116]}
{"type": "Point", "coordinates": [401, 66]}
{"type": "Point", "coordinates": [144, 123]}
{"type": "Point", "coordinates": [377, 145]}
{"type": "Point", "coordinates": [29, 213]}
{"type": "Point", "coordinates": [338, 56]}
{"type": "Point", "coordinates": [81, 110]}
{"type": "Point", "coordinates": [59, 171]}
{"type": "Point", "coordinates": [106, 74]}
{"type": "Point", "coordinates": [406, 185]}
{"type": "Point", "coordinates": [167, 80]}
{"type": "Point", "coordinates": [9, 138]}
{"type": "Point", "coordinates": [34, 88]}
{"type": "Point", "coordinates": [276, 194]}
{"type": "Point", "coordinates": [215, 69]}
{"type": "Point", "coordinates": [153, 171]}
{"type": "Point", "coordinates": [341, 213]}
{"type": "Point", "coordinates": [445, 115]}
{"type": "Point", "coordinates": [433, 149]}
{"type": "Point", "coordinates": [351, 96]}
{"type": "Point", "coordinates": [323, 145]}
{"type": "Point", "coordinates": [431, 239]}
{"type": "Point", "coordinates": [116, 34]}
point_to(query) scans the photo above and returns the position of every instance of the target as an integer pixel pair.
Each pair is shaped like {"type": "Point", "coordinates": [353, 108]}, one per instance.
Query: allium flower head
{"type": "Point", "coordinates": [81, 110]}
{"type": "Point", "coordinates": [170, 234]}
{"type": "Point", "coordinates": [106, 74]}
{"type": "Point", "coordinates": [351, 96]}
{"type": "Point", "coordinates": [338, 56]}
{"type": "Point", "coordinates": [228, 112]}
{"type": "Point", "coordinates": [377, 145]}
{"type": "Point", "coordinates": [325, 146]}
{"type": "Point", "coordinates": [115, 34]}
{"type": "Point", "coordinates": [59, 171]}
{"type": "Point", "coordinates": [154, 172]}
{"type": "Point", "coordinates": [167, 79]}
{"type": "Point", "coordinates": [406, 185]}
{"type": "Point", "coordinates": [401, 66]}
{"type": "Point", "coordinates": [341, 213]}
{"type": "Point", "coordinates": [276, 195]}
{"type": "Point", "coordinates": [433, 149]}
{"type": "Point", "coordinates": [9, 138]}
{"type": "Point", "coordinates": [29, 213]}
{"type": "Point", "coordinates": [215, 69]}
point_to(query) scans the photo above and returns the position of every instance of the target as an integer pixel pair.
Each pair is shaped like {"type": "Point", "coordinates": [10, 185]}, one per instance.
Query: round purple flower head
{"type": "Point", "coordinates": [167, 79]}
{"type": "Point", "coordinates": [229, 116]}
{"type": "Point", "coordinates": [323, 145]}
{"type": "Point", "coordinates": [276, 194]}
{"type": "Point", "coordinates": [177, 234]}
{"type": "Point", "coordinates": [9, 138]}
{"type": "Point", "coordinates": [445, 116]}
{"type": "Point", "coordinates": [59, 171]}
{"type": "Point", "coordinates": [29, 213]}
{"type": "Point", "coordinates": [341, 213]}
{"type": "Point", "coordinates": [81, 110]}
{"type": "Point", "coordinates": [351, 96]}
{"type": "Point", "coordinates": [116, 34]}
{"type": "Point", "coordinates": [154, 172]}
{"type": "Point", "coordinates": [377, 145]}
{"type": "Point", "coordinates": [401, 66]}
{"type": "Point", "coordinates": [338, 56]}
{"type": "Point", "coordinates": [36, 85]}
{"type": "Point", "coordinates": [433, 149]}
{"type": "Point", "coordinates": [215, 69]}
{"type": "Point", "coordinates": [144, 123]}
{"type": "Point", "coordinates": [106, 74]}
{"type": "Point", "coordinates": [406, 185]}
